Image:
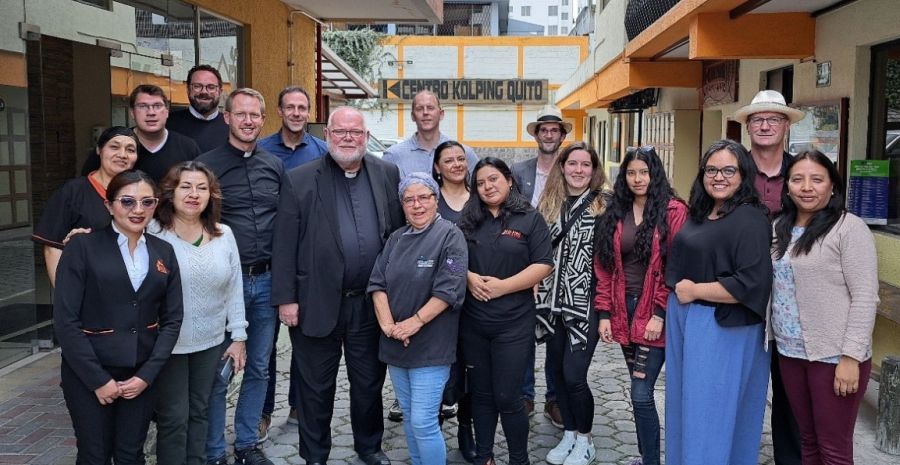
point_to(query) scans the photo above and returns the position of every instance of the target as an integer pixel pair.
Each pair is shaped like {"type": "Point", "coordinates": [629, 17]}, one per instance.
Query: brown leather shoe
{"type": "Point", "coordinates": [552, 413]}
{"type": "Point", "coordinates": [529, 405]}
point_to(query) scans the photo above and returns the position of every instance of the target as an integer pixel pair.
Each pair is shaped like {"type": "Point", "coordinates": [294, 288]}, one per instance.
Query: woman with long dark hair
{"type": "Point", "coordinates": [633, 242]}
{"type": "Point", "coordinates": [117, 312]}
{"type": "Point", "coordinates": [188, 219]}
{"type": "Point", "coordinates": [78, 206]}
{"type": "Point", "coordinates": [509, 253]}
{"type": "Point", "coordinates": [824, 300]}
{"type": "Point", "coordinates": [718, 370]}
{"type": "Point", "coordinates": [571, 203]}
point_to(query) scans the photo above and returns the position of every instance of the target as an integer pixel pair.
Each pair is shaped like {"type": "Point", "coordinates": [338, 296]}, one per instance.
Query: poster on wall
{"type": "Point", "coordinates": [869, 190]}
{"type": "Point", "coordinates": [824, 128]}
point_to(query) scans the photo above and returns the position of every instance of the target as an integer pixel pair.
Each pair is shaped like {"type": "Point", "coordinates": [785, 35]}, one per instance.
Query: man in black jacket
{"type": "Point", "coordinates": [334, 216]}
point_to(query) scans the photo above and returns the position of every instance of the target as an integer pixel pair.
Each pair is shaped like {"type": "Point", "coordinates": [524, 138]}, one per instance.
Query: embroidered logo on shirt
{"type": "Point", "coordinates": [512, 233]}
{"type": "Point", "coordinates": [454, 266]}
{"type": "Point", "coordinates": [161, 267]}
{"type": "Point", "coordinates": [423, 262]}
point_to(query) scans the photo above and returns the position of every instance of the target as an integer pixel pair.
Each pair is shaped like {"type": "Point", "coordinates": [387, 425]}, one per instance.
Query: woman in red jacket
{"type": "Point", "coordinates": [633, 239]}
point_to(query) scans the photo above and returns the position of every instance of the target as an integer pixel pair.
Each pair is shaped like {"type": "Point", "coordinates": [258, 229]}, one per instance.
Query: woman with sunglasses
{"type": "Point", "coordinates": [78, 206]}
{"type": "Point", "coordinates": [571, 203]}
{"type": "Point", "coordinates": [633, 241]}
{"type": "Point", "coordinates": [719, 268]}
{"type": "Point", "coordinates": [188, 219]}
{"type": "Point", "coordinates": [117, 313]}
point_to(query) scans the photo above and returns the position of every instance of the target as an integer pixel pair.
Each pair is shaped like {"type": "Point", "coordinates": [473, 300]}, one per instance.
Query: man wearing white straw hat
{"type": "Point", "coordinates": [768, 119]}
{"type": "Point", "coordinates": [549, 131]}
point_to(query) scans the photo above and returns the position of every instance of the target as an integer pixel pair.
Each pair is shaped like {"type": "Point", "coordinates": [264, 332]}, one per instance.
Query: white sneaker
{"type": "Point", "coordinates": [583, 453]}
{"type": "Point", "coordinates": [558, 455]}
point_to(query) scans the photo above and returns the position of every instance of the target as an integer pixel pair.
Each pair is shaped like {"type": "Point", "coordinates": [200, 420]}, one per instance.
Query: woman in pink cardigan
{"type": "Point", "coordinates": [824, 297]}
{"type": "Point", "coordinates": [633, 240]}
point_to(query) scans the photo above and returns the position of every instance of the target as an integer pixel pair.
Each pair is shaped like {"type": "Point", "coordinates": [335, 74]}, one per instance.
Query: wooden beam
{"type": "Point", "coordinates": [746, 8]}
{"type": "Point", "coordinates": [714, 36]}
{"type": "Point", "coordinates": [673, 26]}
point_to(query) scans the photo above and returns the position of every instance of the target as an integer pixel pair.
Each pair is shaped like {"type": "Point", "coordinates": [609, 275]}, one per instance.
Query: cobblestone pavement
{"type": "Point", "coordinates": [35, 428]}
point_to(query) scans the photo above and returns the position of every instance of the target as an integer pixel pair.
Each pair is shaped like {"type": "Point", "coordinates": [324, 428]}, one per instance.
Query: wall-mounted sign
{"type": "Point", "coordinates": [485, 91]}
{"type": "Point", "coordinates": [869, 190]}
{"type": "Point", "coordinates": [823, 74]}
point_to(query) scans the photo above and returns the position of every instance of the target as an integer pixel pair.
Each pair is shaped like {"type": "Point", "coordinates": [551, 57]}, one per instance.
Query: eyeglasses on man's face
{"type": "Point", "coordinates": [771, 121]}
{"type": "Point", "coordinates": [197, 87]}
{"type": "Point", "coordinates": [243, 116]}
{"type": "Point", "coordinates": [129, 202]}
{"type": "Point", "coordinates": [727, 171]}
{"type": "Point", "coordinates": [144, 107]}
{"type": "Point", "coordinates": [341, 133]}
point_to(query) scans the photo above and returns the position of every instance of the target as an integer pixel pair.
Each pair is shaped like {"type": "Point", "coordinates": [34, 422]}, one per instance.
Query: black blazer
{"type": "Point", "coordinates": [100, 321]}
{"type": "Point", "coordinates": [307, 260]}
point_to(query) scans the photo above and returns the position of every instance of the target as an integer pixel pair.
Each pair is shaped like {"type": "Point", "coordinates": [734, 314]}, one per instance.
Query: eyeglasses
{"type": "Point", "coordinates": [129, 202]}
{"type": "Point", "coordinates": [242, 116]}
{"type": "Point", "coordinates": [772, 120]}
{"type": "Point", "coordinates": [145, 107]}
{"type": "Point", "coordinates": [643, 148]}
{"type": "Point", "coordinates": [341, 133]}
{"type": "Point", "coordinates": [422, 199]}
{"type": "Point", "coordinates": [553, 131]}
{"type": "Point", "coordinates": [727, 171]}
{"type": "Point", "coordinates": [209, 87]}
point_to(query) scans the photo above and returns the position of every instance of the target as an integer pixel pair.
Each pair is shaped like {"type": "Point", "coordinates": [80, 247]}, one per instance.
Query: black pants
{"type": "Point", "coordinates": [457, 391]}
{"type": "Point", "coordinates": [318, 360]}
{"type": "Point", "coordinates": [496, 356]}
{"type": "Point", "coordinates": [785, 432]}
{"type": "Point", "coordinates": [103, 432]}
{"type": "Point", "coordinates": [576, 402]}
{"type": "Point", "coordinates": [183, 389]}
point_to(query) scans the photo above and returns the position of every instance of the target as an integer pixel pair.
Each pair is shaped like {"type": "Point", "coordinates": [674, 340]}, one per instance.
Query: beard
{"type": "Point", "coordinates": [549, 148]}
{"type": "Point", "coordinates": [201, 107]}
{"type": "Point", "coordinates": [346, 156]}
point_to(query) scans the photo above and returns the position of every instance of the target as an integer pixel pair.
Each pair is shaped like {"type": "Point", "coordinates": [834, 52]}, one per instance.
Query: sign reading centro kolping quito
{"type": "Point", "coordinates": [490, 91]}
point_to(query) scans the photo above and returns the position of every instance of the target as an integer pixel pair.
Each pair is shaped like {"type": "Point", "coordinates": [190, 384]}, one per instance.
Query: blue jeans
{"type": "Point", "coordinates": [262, 318]}
{"type": "Point", "coordinates": [419, 391]}
{"type": "Point", "coordinates": [528, 387]}
{"type": "Point", "coordinates": [646, 419]}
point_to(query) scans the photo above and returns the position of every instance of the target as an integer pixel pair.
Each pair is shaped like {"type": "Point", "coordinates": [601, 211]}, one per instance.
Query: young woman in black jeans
{"type": "Point", "coordinates": [633, 240]}
{"type": "Point", "coordinates": [509, 253]}
{"type": "Point", "coordinates": [571, 203]}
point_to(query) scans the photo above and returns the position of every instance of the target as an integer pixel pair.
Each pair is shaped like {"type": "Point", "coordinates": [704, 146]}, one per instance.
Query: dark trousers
{"type": "Point", "coordinates": [183, 388]}
{"type": "Point", "coordinates": [826, 420]}
{"type": "Point", "coordinates": [269, 404]}
{"type": "Point", "coordinates": [496, 355]}
{"type": "Point", "coordinates": [105, 432]}
{"type": "Point", "coordinates": [576, 402]}
{"type": "Point", "coordinates": [785, 432]}
{"type": "Point", "coordinates": [318, 359]}
{"type": "Point", "coordinates": [457, 392]}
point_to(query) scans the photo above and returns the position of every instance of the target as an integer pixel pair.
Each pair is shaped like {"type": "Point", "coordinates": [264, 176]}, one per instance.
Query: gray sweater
{"type": "Point", "coordinates": [837, 291]}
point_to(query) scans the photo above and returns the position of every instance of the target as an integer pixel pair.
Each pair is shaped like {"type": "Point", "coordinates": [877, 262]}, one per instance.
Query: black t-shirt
{"type": "Point", "coordinates": [448, 213]}
{"type": "Point", "coordinates": [734, 251]}
{"type": "Point", "coordinates": [635, 269]}
{"type": "Point", "coordinates": [177, 149]}
{"type": "Point", "coordinates": [502, 252]}
{"type": "Point", "coordinates": [77, 204]}
{"type": "Point", "coordinates": [208, 134]}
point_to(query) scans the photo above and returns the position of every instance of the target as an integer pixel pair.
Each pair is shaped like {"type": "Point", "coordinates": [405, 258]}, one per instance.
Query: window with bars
{"type": "Point", "coordinates": [552, 10]}
{"type": "Point", "coordinates": [526, 10]}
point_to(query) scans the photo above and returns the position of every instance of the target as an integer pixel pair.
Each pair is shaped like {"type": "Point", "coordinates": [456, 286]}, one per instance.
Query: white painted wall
{"type": "Point", "coordinates": [490, 62]}
{"type": "Point", "coordinates": [65, 19]}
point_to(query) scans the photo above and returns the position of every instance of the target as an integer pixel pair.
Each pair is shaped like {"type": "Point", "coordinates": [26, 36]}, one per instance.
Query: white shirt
{"type": "Point", "coordinates": [197, 114]}
{"type": "Point", "coordinates": [137, 264]}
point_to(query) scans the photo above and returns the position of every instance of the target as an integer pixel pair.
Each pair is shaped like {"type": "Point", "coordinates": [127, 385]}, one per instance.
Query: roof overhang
{"type": "Point", "coordinates": [339, 79]}
{"type": "Point", "coordinates": [372, 11]}
{"type": "Point", "coordinates": [623, 77]}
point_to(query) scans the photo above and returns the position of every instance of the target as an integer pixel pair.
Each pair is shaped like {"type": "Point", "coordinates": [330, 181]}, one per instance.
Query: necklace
{"type": "Point", "coordinates": [198, 241]}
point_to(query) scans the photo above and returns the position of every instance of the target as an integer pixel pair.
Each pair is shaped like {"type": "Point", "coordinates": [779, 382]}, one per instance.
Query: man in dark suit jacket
{"type": "Point", "coordinates": [334, 216]}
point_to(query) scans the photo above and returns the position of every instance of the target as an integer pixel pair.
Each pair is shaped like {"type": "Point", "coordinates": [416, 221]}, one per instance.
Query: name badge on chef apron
{"type": "Point", "coordinates": [424, 262]}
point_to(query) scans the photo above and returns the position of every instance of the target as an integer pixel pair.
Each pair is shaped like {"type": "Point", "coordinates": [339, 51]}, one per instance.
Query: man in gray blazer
{"type": "Point", "coordinates": [549, 131]}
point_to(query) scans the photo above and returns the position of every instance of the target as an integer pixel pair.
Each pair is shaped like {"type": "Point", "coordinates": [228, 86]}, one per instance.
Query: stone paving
{"type": "Point", "coordinates": [35, 428]}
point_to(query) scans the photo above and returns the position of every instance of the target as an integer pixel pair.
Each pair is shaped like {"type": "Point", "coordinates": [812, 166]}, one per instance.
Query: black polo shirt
{"type": "Point", "coordinates": [77, 204]}
{"type": "Point", "coordinates": [503, 251]}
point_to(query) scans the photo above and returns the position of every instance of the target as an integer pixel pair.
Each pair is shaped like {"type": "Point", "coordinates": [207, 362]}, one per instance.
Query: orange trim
{"type": "Point", "coordinates": [98, 332]}
{"type": "Point", "coordinates": [101, 191]}
{"type": "Point", "coordinates": [13, 72]}
{"type": "Point", "coordinates": [153, 326]}
{"type": "Point", "coordinates": [788, 35]}
{"type": "Point", "coordinates": [674, 26]}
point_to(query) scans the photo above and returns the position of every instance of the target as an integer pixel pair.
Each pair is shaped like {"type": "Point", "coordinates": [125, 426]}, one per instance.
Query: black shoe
{"type": "Point", "coordinates": [466, 442]}
{"type": "Point", "coordinates": [251, 456]}
{"type": "Point", "coordinates": [378, 458]}
{"type": "Point", "coordinates": [219, 461]}
{"type": "Point", "coordinates": [394, 413]}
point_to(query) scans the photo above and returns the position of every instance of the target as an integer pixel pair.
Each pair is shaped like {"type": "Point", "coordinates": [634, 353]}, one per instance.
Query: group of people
{"type": "Point", "coordinates": [443, 270]}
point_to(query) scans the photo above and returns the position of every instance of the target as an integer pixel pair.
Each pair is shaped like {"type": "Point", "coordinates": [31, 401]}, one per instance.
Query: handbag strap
{"type": "Point", "coordinates": [572, 219]}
